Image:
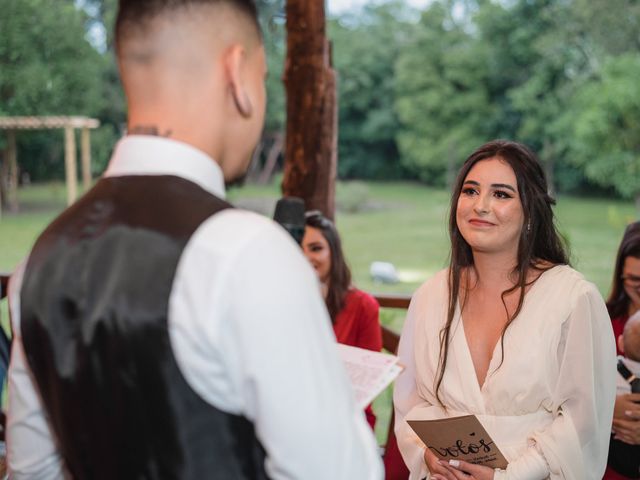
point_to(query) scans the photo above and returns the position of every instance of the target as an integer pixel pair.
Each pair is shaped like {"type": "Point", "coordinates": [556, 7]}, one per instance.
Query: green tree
{"type": "Point", "coordinates": [364, 51]}
{"type": "Point", "coordinates": [273, 27]}
{"type": "Point", "coordinates": [603, 38]}
{"type": "Point", "coordinates": [539, 87]}
{"type": "Point", "coordinates": [47, 68]}
{"type": "Point", "coordinates": [509, 70]}
{"type": "Point", "coordinates": [113, 112]}
{"type": "Point", "coordinates": [606, 115]}
{"type": "Point", "coordinates": [442, 95]}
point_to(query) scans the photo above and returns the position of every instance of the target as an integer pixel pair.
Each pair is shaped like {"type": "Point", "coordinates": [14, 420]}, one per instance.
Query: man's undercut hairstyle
{"type": "Point", "coordinates": [136, 14]}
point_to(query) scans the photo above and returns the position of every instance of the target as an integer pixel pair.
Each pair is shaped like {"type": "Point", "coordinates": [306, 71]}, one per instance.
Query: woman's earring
{"type": "Point", "coordinates": [529, 227]}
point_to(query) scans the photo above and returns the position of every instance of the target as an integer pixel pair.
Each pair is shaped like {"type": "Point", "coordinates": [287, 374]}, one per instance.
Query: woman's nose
{"type": "Point", "coordinates": [481, 205]}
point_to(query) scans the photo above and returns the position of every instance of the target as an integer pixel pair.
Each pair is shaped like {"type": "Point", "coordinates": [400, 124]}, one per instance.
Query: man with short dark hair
{"type": "Point", "coordinates": [160, 333]}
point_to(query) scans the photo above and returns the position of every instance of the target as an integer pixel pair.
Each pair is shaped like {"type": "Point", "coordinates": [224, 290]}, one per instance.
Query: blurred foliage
{"type": "Point", "coordinates": [442, 95]}
{"type": "Point", "coordinates": [46, 68]}
{"type": "Point", "coordinates": [364, 51]}
{"type": "Point", "coordinates": [560, 76]}
{"type": "Point", "coordinates": [352, 197]}
{"type": "Point", "coordinates": [607, 127]}
{"type": "Point", "coordinates": [57, 58]}
{"type": "Point", "coordinates": [272, 19]}
{"type": "Point", "coordinates": [418, 90]}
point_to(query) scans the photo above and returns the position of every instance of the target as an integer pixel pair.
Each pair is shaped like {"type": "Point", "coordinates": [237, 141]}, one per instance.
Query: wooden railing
{"type": "Point", "coordinates": [391, 338]}
{"type": "Point", "coordinates": [393, 301]}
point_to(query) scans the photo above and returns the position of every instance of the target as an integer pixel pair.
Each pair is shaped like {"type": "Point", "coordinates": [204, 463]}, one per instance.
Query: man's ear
{"type": "Point", "coordinates": [234, 62]}
{"type": "Point", "coordinates": [621, 343]}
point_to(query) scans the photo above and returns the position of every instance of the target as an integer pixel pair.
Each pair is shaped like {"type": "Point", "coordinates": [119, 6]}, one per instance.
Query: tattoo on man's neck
{"type": "Point", "coordinates": [149, 130]}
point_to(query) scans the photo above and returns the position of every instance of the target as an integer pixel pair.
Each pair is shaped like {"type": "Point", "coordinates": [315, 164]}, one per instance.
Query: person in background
{"type": "Point", "coordinates": [624, 298]}
{"type": "Point", "coordinates": [354, 313]}
{"type": "Point", "coordinates": [509, 333]}
{"type": "Point", "coordinates": [624, 458]}
{"type": "Point", "coordinates": [160, 333]}
{"type": "Point", "coordinates": [623, 302]}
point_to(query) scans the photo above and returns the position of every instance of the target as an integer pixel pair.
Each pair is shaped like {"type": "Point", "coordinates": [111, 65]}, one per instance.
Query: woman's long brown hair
{"type": "Point", "coordinates": [540, 246]}
{"type": "Point", "coordinates": [339, 273]}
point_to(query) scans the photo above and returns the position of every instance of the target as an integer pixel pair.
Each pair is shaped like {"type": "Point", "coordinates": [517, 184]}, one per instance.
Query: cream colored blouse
{"type": "Point", "coordinates": [549, 406]}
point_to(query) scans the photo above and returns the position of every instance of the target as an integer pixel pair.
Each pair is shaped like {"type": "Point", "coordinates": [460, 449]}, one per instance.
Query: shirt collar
{"type": "Point", "coordinates": [150, 155]}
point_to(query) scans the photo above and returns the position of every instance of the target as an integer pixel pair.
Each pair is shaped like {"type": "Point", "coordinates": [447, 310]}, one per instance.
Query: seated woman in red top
{"type": "Point", "coordinates": [624, 301]}
{"type": "Point", "coordinates": [354, 313]}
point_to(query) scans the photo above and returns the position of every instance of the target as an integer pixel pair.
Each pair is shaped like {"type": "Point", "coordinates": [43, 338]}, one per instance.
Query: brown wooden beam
{"type": "Point", "coordinates": [310, 81]}
{"type": "Point", "coordinates": [390, 338]}
{"type": "Point", "coordinates": [393, 301]}
{"type": "Point", "coordinates": [85, 149]}
{"type": "Point", "coordinates": [37, 123]}
{"type": "Point", "coordinates": [70, 164]}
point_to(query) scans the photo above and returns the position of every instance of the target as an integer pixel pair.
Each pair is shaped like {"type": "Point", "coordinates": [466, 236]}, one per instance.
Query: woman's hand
{"type": "Point", "coordinates": [437, 470]}
{"type": "Point", "coordinates": [626, 418]}
{"type": "Point", "coordinates": [465, 471]}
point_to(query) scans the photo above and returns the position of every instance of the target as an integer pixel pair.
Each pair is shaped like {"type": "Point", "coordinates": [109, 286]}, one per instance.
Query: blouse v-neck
{"type": "Point", "coordinates": [465, 344]}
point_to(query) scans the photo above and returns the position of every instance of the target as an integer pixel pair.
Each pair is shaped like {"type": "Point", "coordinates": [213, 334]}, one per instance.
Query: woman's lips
{"type": "Point", "coordinates": [480, 223]}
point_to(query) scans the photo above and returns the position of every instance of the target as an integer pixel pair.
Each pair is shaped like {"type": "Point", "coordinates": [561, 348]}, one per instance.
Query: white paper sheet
{"type": "Point", "coordinates": [370, 372]}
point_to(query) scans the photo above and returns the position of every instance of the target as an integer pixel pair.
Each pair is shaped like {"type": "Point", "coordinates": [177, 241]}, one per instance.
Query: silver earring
{"type": "Point", "coordinates": [529, 227]}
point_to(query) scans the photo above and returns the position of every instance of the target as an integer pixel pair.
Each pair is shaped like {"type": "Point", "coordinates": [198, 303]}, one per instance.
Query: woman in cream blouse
{"type": "Point", "coordinates": [510, 333]}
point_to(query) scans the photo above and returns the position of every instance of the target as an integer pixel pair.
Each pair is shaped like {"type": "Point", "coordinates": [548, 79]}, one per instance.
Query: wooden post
{"type": "Point", "coordinates": [12, 161]}
{"type": "Point", "coordinates": [311, 138]}
{"type": "Point", "coordinates": [85, 146]}
{"type": "Point", "coordinates": [70, 164]}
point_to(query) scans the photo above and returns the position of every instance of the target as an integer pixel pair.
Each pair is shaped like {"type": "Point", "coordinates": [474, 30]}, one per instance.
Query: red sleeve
{"type": "Point", "coordinates": [618, 327]}
{"type": "Point", "coordinates": [369, 332]}
{"type": "Point", "coordinates": [358, 324]}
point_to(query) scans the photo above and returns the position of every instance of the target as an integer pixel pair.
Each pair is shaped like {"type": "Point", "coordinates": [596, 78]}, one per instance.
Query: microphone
{"type": "Point", "coordinates": [289, 214]}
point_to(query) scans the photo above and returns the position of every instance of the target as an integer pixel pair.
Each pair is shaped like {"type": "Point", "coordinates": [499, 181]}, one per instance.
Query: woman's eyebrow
{"type": "Point", "coordinates": [503, 185]}
{"type": "Point", "coordinates": [493, 185]}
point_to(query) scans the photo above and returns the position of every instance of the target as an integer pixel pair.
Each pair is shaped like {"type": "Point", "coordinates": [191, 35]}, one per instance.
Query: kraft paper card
{"type": "Point", "coordinates": [459, 438]}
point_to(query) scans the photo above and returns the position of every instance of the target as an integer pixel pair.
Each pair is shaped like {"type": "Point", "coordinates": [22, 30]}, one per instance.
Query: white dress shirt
{"type": "Point", "coordinates": [249, 331]}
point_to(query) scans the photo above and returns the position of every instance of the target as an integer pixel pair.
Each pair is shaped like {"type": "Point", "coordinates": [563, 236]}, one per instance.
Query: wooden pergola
{"type": "Point", "coordinates": [69, 124]}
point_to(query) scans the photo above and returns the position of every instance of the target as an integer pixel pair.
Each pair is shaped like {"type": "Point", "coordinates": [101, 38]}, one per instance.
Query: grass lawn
{"type": "Point", "coordinates": [401, 223]}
